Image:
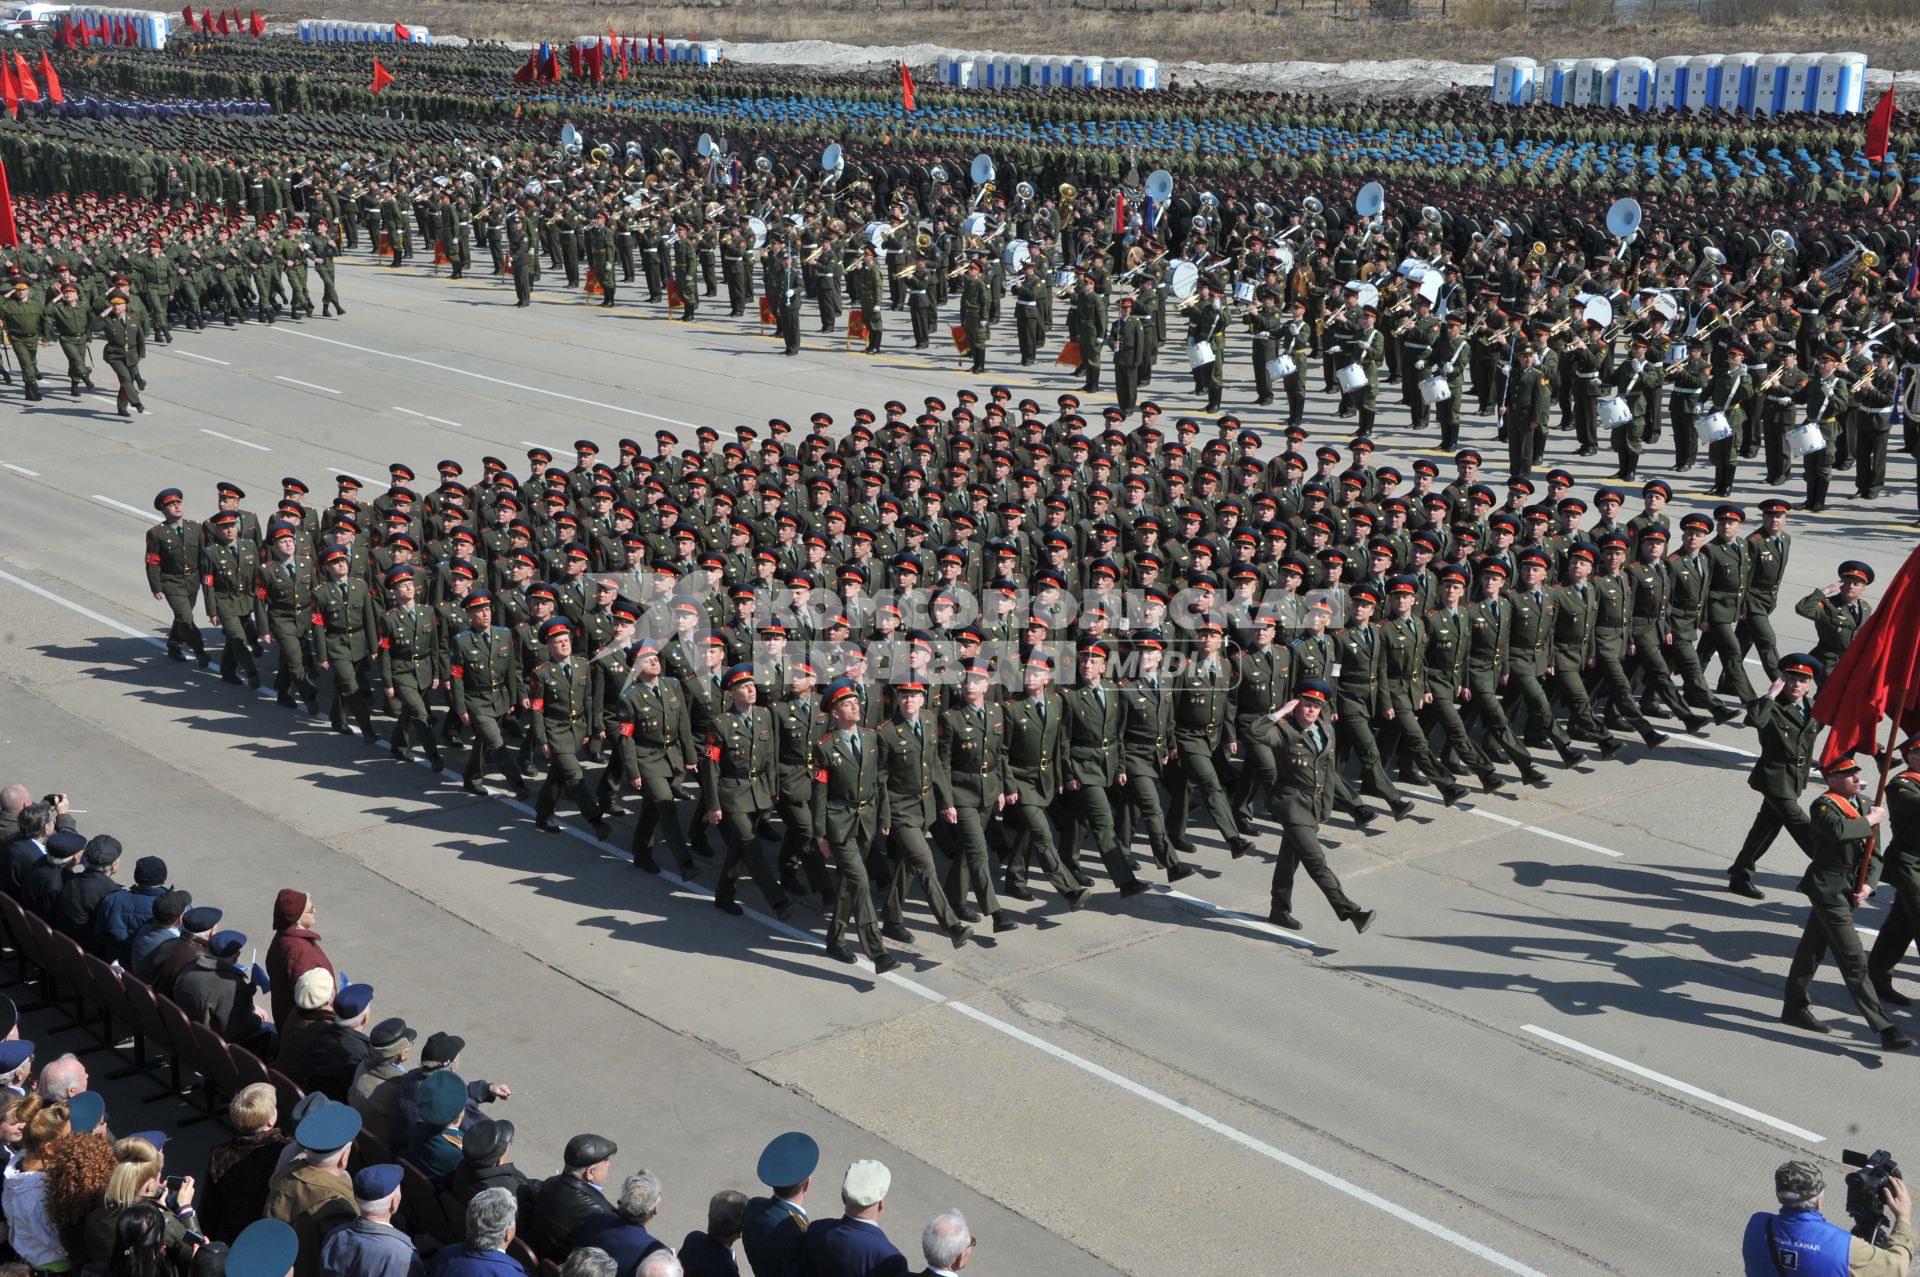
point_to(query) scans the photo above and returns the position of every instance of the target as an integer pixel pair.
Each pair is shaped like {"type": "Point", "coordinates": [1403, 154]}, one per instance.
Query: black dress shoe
{"type": "Point", "coordinates": [1696, 722]}
{"type": "Point", "coordinates": [1533, 776]}
{"type": "Point", "coordinates": [1451, 794]}
{"type": "Point", "coordinates": [1572, 757]}
{"type": "Point", "coordinates": [1017, 891]}
{"type": "Point", "coordinates": [1134, 888]}
{"type": "Point", "coordinates": [1402, 809]}
{"type": "Point", "coordinates": [1890, 995]}
{"type": "Point", "coordinates": [1084, 878]}
{"type": "Point", "coordinates": [1744, 888]}
{"type": "Point", "coordinates": [546, 825]}
{"type": "Point", "coordinates": [897, 933]}
{"type": "Point", "coordinates": [1361, 920]}
{"type": "Point", "coordinates": [885, 963]}
{"type": "Point", "coordinates": [1365, 816]}
{"type": "Point", "coordinates": [1077, 900]}
{"type": "Point", "coordinates": [728, 905]}
{"type": "Point", "coordinates": [1179, 871]}
{"type": "Point", "coordinates": [601, 829]}
{"type": "Point", "coordinates": [840, 953]}
{"type": "Point", "coordinates": [1653, 738]}
{"type": "Point", "coordinates": [959, 936]}
{"type": "Point", "coordinates": [1181, 844]}
{"type": "Point", "coordinates": [1281, 918]}
{"type": "Point", "coordinates": [1724, 713]}
{"type": "Point", "coordinates": [1609, 747]}
{"type": "Point", "coordinates": [967, 914]}
{"type": "Point", "coordinates": [1239, 847]}
{"type": "Point", "coordinates": [1892, 1039]}
{"type": "Point", "coordinates": [1802, 1018]}
{"type": "Point", "coordinates": [1003, 921]}
{"type": "Point", "coordinates": [1491, 784]}
{"type": "Point", "coordinates": [783, 910]}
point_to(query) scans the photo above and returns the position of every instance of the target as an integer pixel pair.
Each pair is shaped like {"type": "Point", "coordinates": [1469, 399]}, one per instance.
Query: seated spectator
{"type": "Point", "coordinates": [175, 956]}
{"type": "Point", "coordinates": [16, 1068]}
{"type": "Point", "coordinates": [371, 1246]}
{"type": "Point", "coordinates": [79, 1166]}
{"type": "Point", "coordinates": [623, 1234]}
{"type": "Point", "coordinates": [575, 1197]}
{"type": "Point", "coordinates": [295, 949]}
{"type": "Point", "coordinates": [316, 1196]}
{"type": "Point", "coordinates": [123, 913]}
{"type": "Point", "coordinates": [15, 799]}
{"type": "Point", "coordinates": [588, 1261]}
{"type": "Point", "coordinates": [342, 1046]}
{"type": "Point", "coordinates": [490, 1230]}
{"type": "Point", "coordinates": [63, 1078]}
{"type": "Point", "coordinates": [662, 1263]}
{"type": "Point", "coordinates": [141, 1245]}
{"type": "Point", "coordinates": [215, 991]}
{"type": "Point", "coordinates": [854, 1243]}
{"type": "Point", "coordinates": [33, 826]}
{"type": "Point", "coordinates": [947, 1244]}
{"type": "Point", "coordinates": [238, 1171]}
{"type": "Point", "coordinates": [23, 1198]}
{"type": "Point", "coordinates": [486, 1154]}
{"type": "Point", "coordinates": [46, 878]}
{"type": "Point", "coordinates": [312, 1013]}
{"type": "Point", "coordinates": [139, 1180]}
{"type": "Point", "coordinates": [376, 1083]}
{"type": "Point", "coordinates": [169, 916]}
{"type": "Point", "coordinates": [711, 1253]}
{"type": "Point", "coordinates": [87, 890]}
{"type": "Point", "coordinates": [434, 1143]}
{"type": "Point", "coordinates": [442, 1051]}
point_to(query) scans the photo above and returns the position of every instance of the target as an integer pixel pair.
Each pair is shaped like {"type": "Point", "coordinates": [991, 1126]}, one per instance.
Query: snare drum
{"type": "Point", "coordinates": [1199, 354]}
{"type": "Point", "coordinates": [1714, 427]}
{"type": "Point", "coordinates": [1805, 438]}
{"type": "Point", "coordinates": [1281, 366]}
{"type": "Point", "coordinates": [1435, 389]}
{"type": "Point", "coordinates": [1612, 411]}
{"type": "Point", "coordinates": [1352, 378]}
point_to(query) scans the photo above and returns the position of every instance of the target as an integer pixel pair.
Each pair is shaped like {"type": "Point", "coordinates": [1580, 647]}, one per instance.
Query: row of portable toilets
{"type": "Point", "coordinates": [328, 31]}
{"type": "Point", "coordinates": [1032, 70]}
{"type": "Point", "coordinates": [700, 53]}
{"type": "Point", "coordinates": [1748, 83]}
{"type": "Point", "coordinates": [149, 27]}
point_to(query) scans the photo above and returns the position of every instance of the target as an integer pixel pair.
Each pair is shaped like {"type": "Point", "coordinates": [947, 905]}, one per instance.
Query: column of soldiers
{"type": "Point", "coordinates": [965, 635]}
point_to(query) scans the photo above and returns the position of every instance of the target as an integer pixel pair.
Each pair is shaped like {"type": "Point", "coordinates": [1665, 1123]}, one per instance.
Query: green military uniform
{"type": "Point", "coordinates": [23, 319]}
{"type": "Point", "coordinates": [1835, 622]}
{"type": "Point", "coordinates": [973, 761]}
{"type": "Point", "coordinates": [656, 746]}
{"type": "Point", "coordinates": [1310, 786]}
{"type": "Point", "coordinates": [1841, 849]}
{"type": "Point", "coordinates": [739, 771]}
{"type": "Point", "coordinates": [229, 575]}
{"type": "Point", "coordinates": [413, 661]}
{"type": "Point", "coordinates": [973, 317]}
{"type": "Point", "coordinates": [1900, 869]}
{"type": "Point", "coordinates": [173, 561]}
{"type": "Point", "coordinates": [1202, 727]}
{"type": "Point", "coordinates": [124, 347]}
{"type": "Point", "coordinates": [1729, 569]}
{"type": "Point", "coordinates": [1787, 735]}
{"type": "Point", "coordinates": [1096, 718]}
{"type": "Point", "coordinates": [849, 811]}
{"type": "Point", "coordinates": [911, 764]}
{"type": "Point", "coordinates": [285, 587]}
{"type": "Point", "coordinates": [485, 686]}
{"type": "Point", "coordinates": [563, 695]}
{"type": "Point", "coordinates": [1146, 741]}
{"type": "Point", "coordinates": [1036, 732]}
{"type": "Point", "coordinates": [68, 323]}
{"type": "Point", "coordinates": [343, 615]}
{"type": "Point", "coordinates": [800, 724]}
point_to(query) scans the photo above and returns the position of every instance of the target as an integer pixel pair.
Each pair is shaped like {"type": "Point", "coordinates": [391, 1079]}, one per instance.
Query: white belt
{"type": "Point", "coordinates": [1587, 376]}
{"type": "Point", "coordinates": [1878, 412]}
{"type": "Point", "coordinates": [1019, 303]}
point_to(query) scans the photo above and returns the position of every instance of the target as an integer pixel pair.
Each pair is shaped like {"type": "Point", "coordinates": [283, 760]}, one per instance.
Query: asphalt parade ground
{"type": "Point", "coordinates": [1556, 1052]}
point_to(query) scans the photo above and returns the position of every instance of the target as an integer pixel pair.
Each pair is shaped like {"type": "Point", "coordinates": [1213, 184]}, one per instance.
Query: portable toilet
{"type": "Point", "coordinates": [1093, 72]}
{"type": "Point", "coordinates": [1023, 69]}
{"type": "Point", "coordinates": [1736, 81]}
{"type": "Point", "coordinates": [1147, 74]}
{"type": "Point", "coordinates": [1589, 82]}
{"type": "Point", "coordinates": [1669, 83]}
{"type": "Point", "coordinates": [1770, 84]}
{"type": "Point", "coordinates": [1803, 81]}
{"type": "Point", "coordinates": [1555, 74]}
{"type": "Point", "coordinates": [1843, 83]}
{"type": "Point", "coordinates": [1513, 81]}
{"type": "Point", "coordinates": [1110, 74]}
{"type": "Point", "coordinates": [1632, 83]}
{"type": "Point", "coordinates": [1703, 81]}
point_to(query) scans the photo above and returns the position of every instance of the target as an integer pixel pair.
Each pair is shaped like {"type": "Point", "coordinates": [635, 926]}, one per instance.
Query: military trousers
{"type": "Point", "coordinates": [1300, 848]}
{"type": "Point", "coordinates": [1090, 811]}
{"type": "Point", "coordinates": [911, 855]}
{"type": "Point", "coordinates": [1775, 814]}
{"type": "Point", "coordinates": [1198, 768]}
{"type": "Point", "coordinates": [745, 851]}
{"type": "Point", "coordinates": [970, 871]}
{"type": "Point", "coordinates": [1830, 929]}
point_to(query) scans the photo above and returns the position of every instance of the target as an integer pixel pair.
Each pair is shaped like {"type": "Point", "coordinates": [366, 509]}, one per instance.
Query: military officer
{"type": "Point", "coordinates": [1146, 748]}
{"type": "Point", "coordinates": [229, 571]}
{"type": "Point", "coordinates": [285, 587]}
{"type": "Point", "coordinates": [1900, 869]}
{"type": "Point", "coordinates": [173, 561]}
{"type": "Point", "coordinates": [412, 664]}
{"type": "Point", "coordinates": [1095, 727]}
{"type": "Point", "coordinates": [738, 774]}
{"type": "Point", "coordinates": [485, 688]}
{"type": "Point", "coordinates": [1837, 612]}
{"type": "Point", "coordinates": [1310, 785]}
{"type": "Point", "coordinates": [1788, 730]}
{"type": "Point", "coordinates": [124, 347]}
{"type": "Point", "coordinates": [973, 756]}
{"type": "Point", "coordinates": [912, 771]}
{"type": "Point", "coordinates": [1036, 732]}
{"type": "Point", "coordinates": [22, 318]}
{"type": "Point", "coordinates": [850, 808]}
{"type": "Point", "coordinates": [1203, 737]}
{"type": "Point", "coordinates": [345, 624]}
{"type": "Point", "coordinates": [656, 748]}
{"type": "Point", "coordinates": [562, 695]}
{"type": "Point", "coordinates": [68, 322]}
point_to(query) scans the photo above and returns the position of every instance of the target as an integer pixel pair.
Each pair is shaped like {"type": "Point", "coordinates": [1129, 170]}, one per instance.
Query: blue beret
{"type": "Point", "coordinates": [65, 844]}
{"type": "Point", "coordinates": [329, 1127]}
{"type": "Point", "coordinates": [442, 1097]}
{"type": "Point", "coordinates": [15, 1053]}
{"type": "Point", "coordinates": [156, 1138]}
{"type": "Point", "coordinates": [86, 1110]}
{"type": "Point", "coordinates": [202, 918]}
{"type": "Point", "coordinates": [266, 1247]}
{"type": "Point", "coordinates": [373, 1183]}
{"type": "Point", "coordinates": [352, 1001]}
{"type": "Point", "coordinates": [226, 943]}
{"type": "Point", "coordinates": [789, 1159]}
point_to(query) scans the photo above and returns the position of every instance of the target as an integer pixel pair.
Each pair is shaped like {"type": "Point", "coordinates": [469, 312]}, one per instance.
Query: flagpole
{"type": "Point", "coordinates": [1886, 774]}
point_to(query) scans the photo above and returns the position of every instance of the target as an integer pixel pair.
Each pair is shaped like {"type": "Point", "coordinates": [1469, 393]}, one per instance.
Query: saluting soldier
{"type": "Point", "coordinates": [229, 571]}
{"type": "Point", "coordinates": [913, 774]}
{"type": "Point", "coordinates": [1310, 786]}
{"type": "Point", "coordinates": [22, 317]}
{"type": "Point", "coordinates": [738, 774]}
{"type": "Point", "coordinates": [1838, 881]}
{"type": "Point", "coordinates": [68, 323]}
{"type": "Point", "coordinates": [285, 588]}
{"type": "Point", "coordinates": [863, 286]}
{"type": "Point", "coordinates": [124, 347]}
{"type": "Point", "coordinates": [1837, 612]}
{"type": "Point", "coordinates": [486, 687]}
{"type": "Point", "coordinates": [656, 748]}
{"type": "Point", "coordinates": [1788, 731]}
{"type": "Point", "coordinates": [850, 808]}
{"type": "Point", "coordinates": [562, 696]}
{"type": "Point", "coordinates": [973, 756]}
{"type": "Point", "coordinates": [412, 664]}
{"type": "Point", "coordinates": [345, 623]}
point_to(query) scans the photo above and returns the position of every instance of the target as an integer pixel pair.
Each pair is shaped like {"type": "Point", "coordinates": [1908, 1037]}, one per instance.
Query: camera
{"type": "Point", "coordinates": [1867, 1204]}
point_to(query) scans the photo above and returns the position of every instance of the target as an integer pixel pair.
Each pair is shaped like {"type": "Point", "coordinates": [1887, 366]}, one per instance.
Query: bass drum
{"type": "Point", "coordinates": [1612, 411]}
{"type": "Point", "coordinates": [1199, 355]}
{"type": "Point", "coordinates": [1714, 427]}
{"type": "Point", "coordinates": [1352, 378]}
{"type": "Point", "coordinates": [1805, 438]}
{"type": "Point", "coordinates": [1435, 389]}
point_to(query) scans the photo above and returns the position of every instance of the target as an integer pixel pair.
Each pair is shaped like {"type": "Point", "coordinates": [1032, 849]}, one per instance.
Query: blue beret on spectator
{"type": "Point", "coordinates": [86, 1110]}
{"type": "Point", "coordinates": [375, 1183]}
{"type": "Point", "coordinates": [15, 1053]}
{"type": "Point", "coordinates": [266, 1247]}
{"type": "Point", "coordinates": [352, 1001]}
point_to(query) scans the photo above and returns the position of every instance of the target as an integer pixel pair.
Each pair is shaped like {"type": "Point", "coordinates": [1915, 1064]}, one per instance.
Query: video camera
{"type": "Point", "coordinates": [1867, 1203]}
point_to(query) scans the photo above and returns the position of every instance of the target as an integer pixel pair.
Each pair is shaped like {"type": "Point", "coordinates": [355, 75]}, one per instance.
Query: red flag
{"type": "Point", "coordinates": [1879, 675]}
{"type": "Point", "coordinates": [186, 14]}
{"type": "Point", "coordinates": [401, 33]}
{"type": "Point", "coordinates": [9, 90]}
{"type": "Point", "coordinates": [1880, 127]}
{"type": "Point", "coordinates": [206, 22]}
{"type": "Point", "coordinates": [223, 28]}
{"type": "Point", "coordinates": [68, 36]}
{"type": "Point", "coordinates": [381, 77]}
{"type": "Point", "coordinates": [255, 24]}
{"type": "Point", "coordinates": [29, 91]}
{"type": "Point", "coordinates": [906, 86]}
{"type": "Point", "coordinates": [621, 47]}
{"type": "Point", "coordinates": [1119, 213]}
{"type": "Point", "coordinates": [528, 73]}
{"type": "Point", "coordinates": [9, 233]}
{"type": "Point", "coordinates": [574, 62]}
{"type": "Point", "coordinates": [54, 94]}
{"type": "Point", "coordinates": [594, 61]}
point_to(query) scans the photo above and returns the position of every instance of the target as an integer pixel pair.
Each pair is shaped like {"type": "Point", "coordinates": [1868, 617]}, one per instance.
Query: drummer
{"type": "Point", "coordinates": [1729, 394]}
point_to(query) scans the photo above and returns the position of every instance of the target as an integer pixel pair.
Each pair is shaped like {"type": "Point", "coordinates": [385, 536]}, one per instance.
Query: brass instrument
{"type": "Point", "coordinates": [814, 256]}
{"type": "Point", "coordinates": [1861, 384]}
{"type": "Point", "coordinates": [1068, 192]}
{"type": "Point", "coordinates": [1771, 378]}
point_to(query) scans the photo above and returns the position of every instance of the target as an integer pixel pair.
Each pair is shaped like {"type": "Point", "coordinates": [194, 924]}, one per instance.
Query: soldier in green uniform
{"type": "Point", "coordinates": [1146, 747]}
{"type": "Point", "coordinates": [343, 614]}
{"type": "Point", "coordinates": [1095, 727]}
{"type": "Point", "coordinates": [850, 808]}
{"type": "Point", "coordinates": [739, 770]}
{"type": "Point", "coordinates": [173, 563]}
{"type": "Point", "coordinates": [1036, 731]}
{"type": "Point", "coordinates": [68, 323]}
{"type": "Point", "coordinates": [911, 766]}
{"type": "Point", "coordinates": [1310, 786]}
{"type": "Point", "coordinates": [1730, 568]}
{"type": "Point", "coordinates": [325, 249]}
{"type": "Point", "coordinates": [973, 756]}
{"type": "Point", "coordinates": [562, 695]}
{"type": "Point", "coordinates": [1490, 620]}
{"type": "Point", "coordinates": [412, 664]}
{"type": "Point", "coordinates": [1084, 330]}
{"type": "Point", "coordinates": [229, 569]}
{"type": "Point", "coordinates": [1128, 341]}
{"type": "Point", "coordinates": [1361, 699]}
{"type": "Point", "coordinates": [24, 318]}
{"type": "Point", "coordinates": [1203, 736]}
{"type": "Point", "coordinates": [599, 246]}
{"type": "Point", "coordinates": [1842, 834]}
{"type": "Point", "coordinates": [1837, 612]}
{"type": "Point", "coordinates": [1900, 869]}
{"type": "Point", "coordinates": [863, 287]}
{"type": "Point", "coordinates": [973, 314]}
{"type": "Point", "coordinates": [1788, 730]}
{"type": "Point", "coordinates": [485, 688]}
{"type": "Point", "coordinates": [1265, 683]}
{"type": "Point", "coordinates": [656, 747]}
{"type": "Point", "coordinates": [1613, 614]}
{"type": "Point", "coordinates": [1524, 415]}
{"type": "Point", "coordinates": [286, 593]}
{"type": "Point", "coordinates": [124, 347]}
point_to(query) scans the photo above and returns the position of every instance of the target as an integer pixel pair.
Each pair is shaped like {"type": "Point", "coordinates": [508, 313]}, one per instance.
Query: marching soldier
{"type": "Point", "coordinates": [1900, 869]}
{"type": "Point", "coordinates": [285, 588]}
{"type": "Point", "coordinates": [345, 623]}
{"type": "Point", "coordinates": [863, 286]}
{"type": "Point", "coordinates": [1095, 728]}
{"type": "Point", "coordinates": [973, 757]}
{"type": "Point", "coordinates": [228, 572]}
{"type": "Point", "coordinates": [412, 655]}
{"type": "Point", "coordinates": [173, 561]}
{"type": "Point", "coordinates": [738, 774]}
{"type": "Point", "coordinates": [1310, 787]}
{"type": "Point", "coordinates": [1837, 612]}
{"type": "Point", "coordinates": [486, 688]}
{"type": "Point", "coordinates": [23, 318]}
{"type": "Point", "coordinates": [1128, 341]}
{"type": "Point", "coordinates": [1788, 731]}
{"type": "Point", "coordinates": [850, 808]}
{"type": "Point", "coordinates": [68, 323]}
{"type": "Point", "coordinates": [801, 723]}
{"type": "Point", "coordinates": [125, 346]}
{"type": "Point", "coordinates": [974, 304]}
{"type": "Point", "coordinates": [656, 748]}
{"type": "Point", "coordinates": [1036, 732]}
{"type": "Point", "coordinates": [563, 703]}
{"type": "Point", "coordinates": [911, 767]}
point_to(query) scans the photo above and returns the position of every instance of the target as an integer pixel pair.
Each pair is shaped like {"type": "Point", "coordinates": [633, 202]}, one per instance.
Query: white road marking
{"type": "Point", "coordinates": [443, 421]}
{"type": "Point", "coordinates": [1246, 920]}
{"type": "Point", "coordinates": [133, 510]}
{"type": "Point", "coordinates": [1675, 1084]}
{"type": "Point", "coordinates": [295, 381]}
{"type": "Point", "coordinates": [244, 443]}
{"type": "Point", "coordinates": [498, 381]}
{"type": "Point", "coordinates": [188, 354]}
{"type": "Point", "coordinates": [31, 474]}
{"type": "Point", "coordinates": [439, 420]}
{"type": "Point", "coordinates": [350, 474]}
{"type": "Point", "coordinates": [1477, 810]}
{"type": "Point", "coordinates": [87, 612]}
{"type": "Point", "coordinates": [408, 411]}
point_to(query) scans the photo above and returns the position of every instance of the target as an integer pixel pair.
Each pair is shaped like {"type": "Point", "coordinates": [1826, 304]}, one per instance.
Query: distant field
{"type": "Point", "coordinates": [1888, 31]}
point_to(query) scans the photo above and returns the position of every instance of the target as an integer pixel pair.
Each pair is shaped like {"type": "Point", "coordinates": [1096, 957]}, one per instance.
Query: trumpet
{"type": "Point", "coordinates": [1769, 381]}
{"type": "Point", "coordinates": [814, 256]}
{"type": "Point", "coordinates": [1866, 377]}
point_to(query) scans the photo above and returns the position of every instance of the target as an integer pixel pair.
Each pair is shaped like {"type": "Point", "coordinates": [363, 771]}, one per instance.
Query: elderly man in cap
{"type": "Point", "coordinates": [340, 1048]}
{"type": "Point", "coordinates": [83, 892]}
{"type": "Point", "coordinates": [574, 1199]}
{"type": "Point", "coordinates": [16, 1067]}
{"type": "Point", "coordinates": [376, 1086]}
{"type": "Point", "coordinates": [125, 911]}
{"type": "Point", "coordinates": [433, 1142]}
{"type": "Point", "coordinates": [442, 1052]}
{"type": "Point", "coordinates": [1799, 1239]}
{"type": "Point", "coordinates": [46, 878]}
{"type": "Point", "coordinates": [196, 929]}
{"type": "Point", "coordinates": [169, 918]}
{"type": "Point", "coordinates": [773, 1227]}
{"type": "Point", "coordinates": [486, 1161]}
{"type": "Point", "coordinates": [316, 1196]}
{"type": "Point", "coordinates": [854, 1245]}
{"type": "Point", "coordinates": [216, 991]}
{"type": "Point", "coordinates": [623, 1235]}
{"type": "Point", "coordinates": [371, 1246]}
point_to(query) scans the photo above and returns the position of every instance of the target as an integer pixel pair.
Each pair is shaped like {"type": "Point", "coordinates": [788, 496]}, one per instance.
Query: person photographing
{"type": "Point", "coordinates": [1799, 1241]}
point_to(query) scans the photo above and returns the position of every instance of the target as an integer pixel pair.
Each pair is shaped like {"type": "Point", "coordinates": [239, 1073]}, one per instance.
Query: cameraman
{"type": "Point", "coordinates": [1799, 1242]}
